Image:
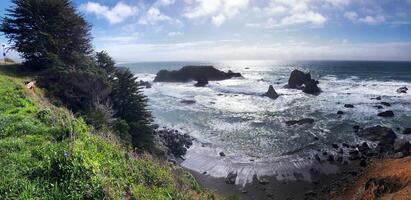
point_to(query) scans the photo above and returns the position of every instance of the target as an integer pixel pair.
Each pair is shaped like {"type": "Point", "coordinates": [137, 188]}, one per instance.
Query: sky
{"type": "Point", "coordinates": [217, 30]}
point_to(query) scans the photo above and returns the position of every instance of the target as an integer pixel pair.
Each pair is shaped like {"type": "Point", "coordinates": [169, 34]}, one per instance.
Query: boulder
{"type": "Point", "coordinates": [145, 84]}
{"type": "Point", "coordinates": [378, 107]}
{"type": "Point", "coordinates": [188, 101]}
{"type": "Point", "coordinates": [201, 82]}
{"type": "Point", "coordinates": [176, 143]}
{"type": "Point", "coordinates": [231, 177]}
{"type": "Point", "coordinates": [388, 113]}
{"type": "Point", "coordinates": [311, 87]}
{"type": "Point", "coordinates": [300, 122]}
{"type": "Point", "coordinates": [298, 78]}
{"type": "Point", "coordinates": [271, 93]}
{"type": "Point", "coordinates": [378, 134]}
{"type": "Point", "coordinates": [188, 73]}
{"type": "Point", "coordinates": [385, 104]}
{"type": "Point", "coordinates": [402, 90]}
{"type": "Point", "coordinates": [407, 131]}
{"type": "Point", "coordinates": [348, 106]}
{"type": "Point", "coordinates": [402, 145]}
{"type": "Point", "coordinates": [363, 163]}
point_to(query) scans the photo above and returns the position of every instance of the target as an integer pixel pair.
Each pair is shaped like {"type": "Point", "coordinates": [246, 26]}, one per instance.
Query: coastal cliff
{"type": "Point", "coordinates": [47, 153]}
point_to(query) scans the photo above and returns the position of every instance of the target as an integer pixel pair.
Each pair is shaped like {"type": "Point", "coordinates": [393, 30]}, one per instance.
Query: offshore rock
{"type": "Point", "coordinates": [271, 93]}
{"type": "Point", "coordinates": [201, 82]}
{"type": "Point", "coordinates": [311, 87]}
{"type": "Point", "coordinates": [188, 73]}
{"type": "Point", "coordinates": [298, 78]}
{"type": "Point", "coordinates": [300, 122]}
{"type": "Point", "coordinates": [402, 90]}
{"type": "Point", "coordinates": [386, 114]}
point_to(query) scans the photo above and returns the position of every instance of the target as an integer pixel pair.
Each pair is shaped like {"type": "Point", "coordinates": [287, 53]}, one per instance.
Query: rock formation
{"type": "Point", "coordinates": [301, 80]}
{"type": "Point", "coordinates": [188, 73]}
{"type": "Point", "coordinates": [271, 93]}
{"type": "Point", "coordinates": [402, 90]}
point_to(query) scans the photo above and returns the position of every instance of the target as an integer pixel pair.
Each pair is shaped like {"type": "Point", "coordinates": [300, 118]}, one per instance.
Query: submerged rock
{"type": "Point", "coordinates": [188, 73]}
{"type": "Point", "coordinates": [378, 134]}
{"type": "Point", "coordinates": [348, 106]}
{"type": "Point", "coordinates": [271, 93]}
{"type": "Point", "coordinates": [201, 82]}
{"type": "Point", "coordinates": [188, 101]}
{"type": "Point", "coordinates": [356, 128]}
{"type": "Point", "coordinates": [378, 107]}
{"type": "Point", "coordinates": [402, 90]}
{"type": "Point", "coordinates": [385, 104]}
{"type": "Point", "coordinates": [300, 122]}
{"type": "Point", "coordinates": [340, 112]}
{"type": "Point", "coordinates": [376, 98]}
{"type": "Point", "coordinates": [402, 145]}
{"type": "Point", "coordinates": [298, 78]}
{"type": "Point", "coordinates": [407, 131]}
{"type": "Point", "coordinates": [388, 113]}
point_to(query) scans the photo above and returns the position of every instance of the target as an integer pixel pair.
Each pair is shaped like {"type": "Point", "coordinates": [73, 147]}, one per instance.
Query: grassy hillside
{"type": "Point", "coordinates": [46, 153]}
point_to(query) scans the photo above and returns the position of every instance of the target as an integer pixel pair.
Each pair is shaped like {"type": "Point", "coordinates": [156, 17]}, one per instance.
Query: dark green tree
{"type": "Point", "coordinates": [130, 104]}
{"type": "Point", "coordinates": [43, 30]}
{"type": "Point", "coordinates": [104, 61]}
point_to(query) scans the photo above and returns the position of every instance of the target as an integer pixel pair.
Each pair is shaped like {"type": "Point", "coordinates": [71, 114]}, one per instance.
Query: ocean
{"type": "Point", "coordinates": [231, 116]}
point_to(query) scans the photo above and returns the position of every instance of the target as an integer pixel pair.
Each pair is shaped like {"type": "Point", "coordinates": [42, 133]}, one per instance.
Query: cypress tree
{"type": "Point", "coordinates": [130, 104]}
{"type": "Point", "coordinates": [46, 30]}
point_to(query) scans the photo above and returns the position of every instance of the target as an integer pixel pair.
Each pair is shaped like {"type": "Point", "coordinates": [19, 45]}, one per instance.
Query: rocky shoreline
{"type": "Point", "coordinates": [351, 159]}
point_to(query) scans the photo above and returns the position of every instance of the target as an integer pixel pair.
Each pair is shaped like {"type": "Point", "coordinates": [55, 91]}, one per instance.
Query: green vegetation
{"type": "Point", "coordinates": [46, 153]}
{"type": "Point", "coordinates": [55, 42]}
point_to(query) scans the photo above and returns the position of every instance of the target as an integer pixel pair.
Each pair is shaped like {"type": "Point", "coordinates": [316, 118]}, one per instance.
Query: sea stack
{"type": "Point", "coordinates": [301, 80]}
{"type": "Point", "coordinates": [271, 93]}
{"type": "Point", "coordinates": [298, 78]}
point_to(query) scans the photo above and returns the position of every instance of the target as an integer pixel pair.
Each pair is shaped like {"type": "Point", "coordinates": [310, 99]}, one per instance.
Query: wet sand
{"type": "Point", "coordinates": [276, 187]}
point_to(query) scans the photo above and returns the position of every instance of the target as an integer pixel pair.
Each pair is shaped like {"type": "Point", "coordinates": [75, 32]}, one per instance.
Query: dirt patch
{"type": "Point", "coordinates": [385, 179]}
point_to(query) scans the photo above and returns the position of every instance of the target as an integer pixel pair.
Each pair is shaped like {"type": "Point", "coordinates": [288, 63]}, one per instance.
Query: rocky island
{"type": "Point", "coordinates": [202, 74]}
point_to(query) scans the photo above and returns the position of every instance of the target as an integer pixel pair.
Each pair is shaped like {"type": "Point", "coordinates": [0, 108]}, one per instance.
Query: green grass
{"type": "Point", "coordinates": [46, 153]}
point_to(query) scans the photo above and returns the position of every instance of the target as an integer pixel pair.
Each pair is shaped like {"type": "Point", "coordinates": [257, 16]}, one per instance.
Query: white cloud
{"type": "Point", "coordinates": [351, 15]}
{"type": "Point", "coordinates": [218, 10]}
{"type": "Point", "coordinates": [175, 33]}
{"type": "Point", "coordinates": [309, 17]}
{"type": "Point", "coordinates": [218, 20]}
{"type": "Point", "coordinates": [339, 3]}
{"type": "Point", "coordinates": [153, 17]}
{"type": "Point", "coordinates": [165, 2]}
{"type": "Point", "coordinates": [372, 20]}
{"type": "Point", "coordinates": [114, 15]}
{"type": "Point", "coordinates": [292, 12]}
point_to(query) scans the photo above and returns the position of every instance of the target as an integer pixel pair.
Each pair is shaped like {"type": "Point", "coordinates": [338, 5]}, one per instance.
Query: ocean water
{"type": "Point", "coordinates": [231, 116]}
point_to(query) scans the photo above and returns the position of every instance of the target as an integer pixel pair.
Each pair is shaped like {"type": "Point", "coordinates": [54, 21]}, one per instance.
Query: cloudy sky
{"type": "Point", "coordinates": [211, 30]}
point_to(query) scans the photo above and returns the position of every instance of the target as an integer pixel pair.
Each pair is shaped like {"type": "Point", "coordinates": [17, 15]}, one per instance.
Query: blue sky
{"type": "Point", "coordinates": [211, 30]}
